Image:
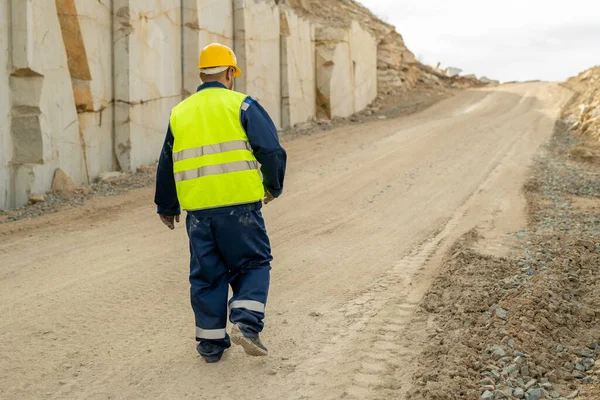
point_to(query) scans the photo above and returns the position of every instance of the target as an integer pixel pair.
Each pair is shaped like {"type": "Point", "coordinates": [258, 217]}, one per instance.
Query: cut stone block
{"type": "Point", "coordinates": [298, 97]}
{"type": "Point", "coordinates": [95, 23]}
{"type": "Point", "coordinates": [148, 77]}
{"type": "Point", "coordinates": [96, 123]}
{"type": "Point", "coordinates": [205, 22]}
{"type": "Point", "coordinates": [335, 81]}
{"type": "Point", "coordinates": [257, 46]}
{"type": "Point", "coordinates": [45, 127]}
{"type": "Point", "coordinates": [76, 54]}
{"type": "Point", "coordinates": [363, 48]}
{"type": "Point", "coordinates": [6, 181]}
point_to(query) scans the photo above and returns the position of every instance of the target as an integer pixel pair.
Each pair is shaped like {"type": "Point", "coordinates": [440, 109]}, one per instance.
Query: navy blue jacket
{"type": "Point", "coordinates": [261, 132]}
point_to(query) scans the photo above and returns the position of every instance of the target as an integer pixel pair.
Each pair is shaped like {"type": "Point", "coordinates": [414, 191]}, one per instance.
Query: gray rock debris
{"type": "Point", "coordinates": [501, 313]}
{"type": "Point", "coordinates": [587, 363]}
{"type": "Point", "coordinates": [586, 353]}
{"type": "Point", "coordinates": [530, 384]}
{"type": "Point", "coordinates": [573, 394]}
{"type": "Point", "coordinates": [535, 394]}
{"type": "Point", "coordinates": [519, 393]}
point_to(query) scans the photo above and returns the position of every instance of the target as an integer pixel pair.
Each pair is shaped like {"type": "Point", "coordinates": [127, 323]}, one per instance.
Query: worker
{"type": "Point", "coordinates": [209, 167]}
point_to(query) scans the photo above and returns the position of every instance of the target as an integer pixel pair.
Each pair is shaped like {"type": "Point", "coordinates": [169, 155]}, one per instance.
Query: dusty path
{"type": "Point", "coordinates": [94, 302]}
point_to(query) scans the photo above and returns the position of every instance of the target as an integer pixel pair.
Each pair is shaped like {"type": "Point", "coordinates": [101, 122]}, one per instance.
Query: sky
{"type": "Point", "coordinates": [509, 40]}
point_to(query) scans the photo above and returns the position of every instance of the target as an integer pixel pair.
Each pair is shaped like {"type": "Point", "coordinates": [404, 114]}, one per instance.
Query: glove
{"type": "Point", "coordinates": [268, 197]}
{"type": "Point", "coordinates": [169, 220]}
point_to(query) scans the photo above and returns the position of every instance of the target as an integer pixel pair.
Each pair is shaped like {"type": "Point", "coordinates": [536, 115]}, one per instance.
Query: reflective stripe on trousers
{"type": "Point", "coordinates": [249, 305]}
{"type": "Point", "coordinates": [214, 334]}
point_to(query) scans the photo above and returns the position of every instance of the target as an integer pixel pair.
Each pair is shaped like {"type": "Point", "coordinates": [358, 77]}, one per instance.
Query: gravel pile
{"type": "Point", "coordinates": [523, 327]}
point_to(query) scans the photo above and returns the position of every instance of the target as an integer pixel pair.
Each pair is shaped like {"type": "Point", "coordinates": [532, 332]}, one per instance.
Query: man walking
{"type": "Point", "coordinates": [209, 167]}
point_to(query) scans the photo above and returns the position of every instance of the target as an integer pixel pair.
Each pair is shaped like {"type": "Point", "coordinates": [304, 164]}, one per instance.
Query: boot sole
{"type": "Point", "coordinates": [249, 348]}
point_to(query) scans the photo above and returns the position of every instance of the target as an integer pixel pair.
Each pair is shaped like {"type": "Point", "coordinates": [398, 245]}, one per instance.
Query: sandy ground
{"type": "Point", "coordinates": [94, 301]}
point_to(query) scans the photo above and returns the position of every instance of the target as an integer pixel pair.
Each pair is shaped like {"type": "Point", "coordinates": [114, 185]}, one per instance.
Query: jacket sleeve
{"type": "Point", "coordinates": [166, 192]}
{"type": "Point", "coordinates": [264, 141]}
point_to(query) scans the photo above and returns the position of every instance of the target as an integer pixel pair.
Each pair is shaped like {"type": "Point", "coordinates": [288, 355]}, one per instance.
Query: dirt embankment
{"type": "Point", "coordinates": [524, 326]}
{"type": "Point", "coordinates": [583, 114]}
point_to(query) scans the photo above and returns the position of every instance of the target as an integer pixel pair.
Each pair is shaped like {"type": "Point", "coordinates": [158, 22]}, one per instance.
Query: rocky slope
{"type": "Point", "coordinates": [397, 68]}
{"type": "Point", "coordinates": [584, 113]}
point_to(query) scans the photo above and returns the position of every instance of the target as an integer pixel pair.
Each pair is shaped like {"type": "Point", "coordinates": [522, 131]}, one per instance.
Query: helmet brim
{"type": "Point", "coordinates": [238, 72]}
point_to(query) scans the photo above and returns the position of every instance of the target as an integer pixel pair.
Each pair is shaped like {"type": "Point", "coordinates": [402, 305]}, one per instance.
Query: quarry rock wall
{"type": "Point", "coordinates": [6, 146]}
{"type": "Point", "coordinates": [205, 22]}
{"type": "Point", "coordinates": [298, 78]}
{"type": "Point", "coordinates": [87, 86]}
{"type": "Point", "coordinates": [363, 51]}
{"type": "Point", "coordinates": [257, 46]}
{"type": "Point", "coordinates": [148, 72]}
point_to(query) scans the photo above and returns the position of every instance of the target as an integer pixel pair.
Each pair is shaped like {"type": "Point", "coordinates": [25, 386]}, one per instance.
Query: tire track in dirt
{"type": "Point", "coordinates": [381, 326]}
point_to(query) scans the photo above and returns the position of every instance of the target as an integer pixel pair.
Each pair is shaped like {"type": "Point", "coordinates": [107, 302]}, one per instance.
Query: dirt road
{"type": "Point", "coordinates": [94, 302]}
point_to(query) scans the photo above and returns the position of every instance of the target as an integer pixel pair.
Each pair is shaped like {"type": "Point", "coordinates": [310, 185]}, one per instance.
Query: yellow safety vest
{"type": "Point", "coordinates": [213, 162]}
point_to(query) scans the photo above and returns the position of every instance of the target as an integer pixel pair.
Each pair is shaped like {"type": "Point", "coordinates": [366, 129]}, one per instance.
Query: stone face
{"type": "Point", "coordinates": [149, 122]}
{"type": "Point", "coordinates": [298, 98]}
{"type": "Point", "coordinates": [148, 77]}
{"type": "Point", "coordinates": [46, 124]}
{"type": "Point", "coordinates": [205, 22]}
{"type": "Point", "coordinates": [96, 124]}
{"type": "Point", "coordinates": [335, 81]}
{"type": "Point", "coordinates": [363, 48]}
{"type": "Point", "coordinates": [75, 100]}
{"type": "Point", "coordinates": [96, 132]}
{"type": "Point", "coordinates": [155, 50]}
{"type": "Point", "coordinates": [6, 189]}
{"type": "Point", "coordinates": [76, 54]}
{"type": "Point", "coordinates": [95, 24]}
{"type": "Point", "coordinates": [257, 47]}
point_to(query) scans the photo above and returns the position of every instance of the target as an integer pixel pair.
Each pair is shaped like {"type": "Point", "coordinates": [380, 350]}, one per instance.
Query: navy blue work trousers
{"type": "Point", "coordinates": [228, 247]}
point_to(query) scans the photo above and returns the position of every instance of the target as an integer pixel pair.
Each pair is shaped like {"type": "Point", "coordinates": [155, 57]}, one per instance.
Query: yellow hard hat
{"type": "Point", "coordinates": [217, 55]}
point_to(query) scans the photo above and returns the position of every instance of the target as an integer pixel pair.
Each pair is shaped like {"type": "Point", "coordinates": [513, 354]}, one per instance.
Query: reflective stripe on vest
{"type": "Point", "coordinates": [215, 170]}
{"type": "Point", "coordinates": [211, 149]}
{"type": "Point", "coordinates": [213, 161]}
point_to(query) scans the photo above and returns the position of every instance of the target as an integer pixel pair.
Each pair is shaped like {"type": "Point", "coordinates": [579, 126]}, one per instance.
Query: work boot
{"type": "Point", "coordinates": [251, 345]}
{"type": "Point", "coordinates": [209, 358]}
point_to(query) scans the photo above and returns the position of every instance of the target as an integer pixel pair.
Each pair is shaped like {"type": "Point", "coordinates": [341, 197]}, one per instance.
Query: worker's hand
{"type": "Point", "coordinates": [169, 220]}
{"type": "Point", "coordinates": [268, 197]}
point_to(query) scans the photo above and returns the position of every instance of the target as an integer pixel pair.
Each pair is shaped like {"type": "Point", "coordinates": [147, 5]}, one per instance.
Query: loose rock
{"type": "Point", "coordinates": [487, 395]}
{"type": "Point", "coordinates": [530, 384]}
{"type": "Point", "coordinates": [573, 394]}
{"type": "Point", "coordinates": [62, 181]}
{"type": "Point", "coordinates": [110, 176]}
{"type": "Point", "coordinates": [501, 313]}
{"type": "Point", "coordinates": [519, 393]}
{"type": "Point", "coordinates": [37, 198]}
